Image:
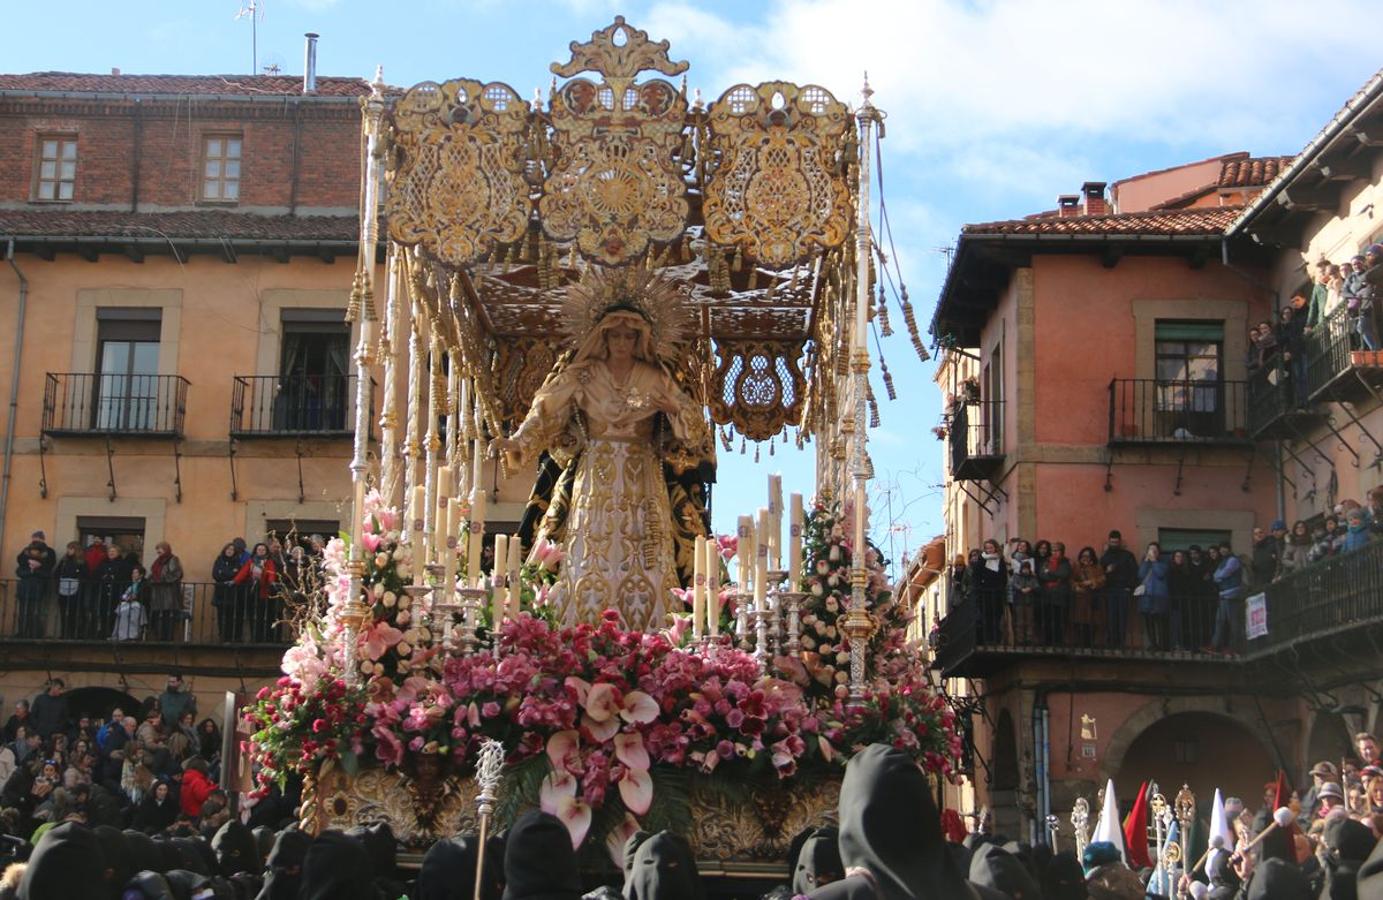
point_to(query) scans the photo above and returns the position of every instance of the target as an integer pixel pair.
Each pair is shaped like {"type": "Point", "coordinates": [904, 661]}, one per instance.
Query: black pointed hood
{"type": "Point", "coordinates": [890, 827]}
{"type": "Point", "coordinates": [664, 868]}
{"type": "Point", "coordinates": [337, 867]}
{"type": "Point", "coordinates": [994, 867]}
{"type": "Point", "coordinates": [1064, 879]}
{"type": "Point", "coordinates": [235, 849]}
{"type": "Point", "coordinates": [818, 861]}
{"type": "Point", "coordinates": [448, 871]}
{"type": "Point", "coordinates": [1277, 879]}
{"type": "Point", "coordinates": [539, 862]}
{"type": "Point", "coordinates": [66, 863]}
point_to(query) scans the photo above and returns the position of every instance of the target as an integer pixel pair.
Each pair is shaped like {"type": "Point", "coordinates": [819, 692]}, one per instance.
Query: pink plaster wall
{"type": "Point", "coordinates": [1145, 191]}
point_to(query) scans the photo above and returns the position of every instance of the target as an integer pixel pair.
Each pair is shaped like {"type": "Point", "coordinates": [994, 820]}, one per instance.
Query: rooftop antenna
{"type": "Point", "coordinates": [254, 10]}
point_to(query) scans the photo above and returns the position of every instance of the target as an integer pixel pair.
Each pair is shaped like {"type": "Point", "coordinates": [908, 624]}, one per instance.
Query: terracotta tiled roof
{"type": "Point", "coordinates": [1188, 222]}
{"type": "Point", "coordinates": [1255, 171]}
{"type": "Point", "coordinates": [210, 223]}
{"type": "Point", "coordinates": [78, 82]}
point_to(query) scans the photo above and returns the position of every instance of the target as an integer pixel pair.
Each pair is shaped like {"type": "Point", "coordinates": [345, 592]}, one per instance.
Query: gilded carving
{"type": "Point", "coordinates": [457, 185]}
{"type": "Point", "coordinates": [521, 364]}
{"type": "Point", "coordinates": [615, 184]}
{"type": "Point", "coordinates": [726, 825]}
{"type": "Point", "coordinates": [778, 189]}
{"type": "Point", "coordinates": [757, 386]}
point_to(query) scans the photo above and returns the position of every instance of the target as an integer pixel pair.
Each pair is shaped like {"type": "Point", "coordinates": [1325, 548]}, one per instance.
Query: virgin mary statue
{"type": "Point", "coordinates": [625, 452]}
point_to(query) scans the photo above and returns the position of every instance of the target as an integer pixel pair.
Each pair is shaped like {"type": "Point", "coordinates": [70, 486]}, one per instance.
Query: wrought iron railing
{"type": "Point", "coordinates": [292, 405]}
{"type": "Point", "coordinates": [1273, 393]}
{"type": "Point", "coordinates": [1327, 350]}
{"type": "Point", "coordinates": [76, 403]}
{"type": "Point", "coordinates": [1157, 411]}
{"type": "Point", "coordinates": [976, 437]}
{"type": "Point", "coordinates": [1329, 596]}
{"type": "Point", "coordinates": [203, 613]}
{"type": "Point", "coordinates": [1319, 601]}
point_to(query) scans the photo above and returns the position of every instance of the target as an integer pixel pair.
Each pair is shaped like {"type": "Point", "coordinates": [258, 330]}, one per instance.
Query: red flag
{"type": "Point", "coordinates": [1281, 793]}
{"type": "Point", "coordinates": [1136, 832]}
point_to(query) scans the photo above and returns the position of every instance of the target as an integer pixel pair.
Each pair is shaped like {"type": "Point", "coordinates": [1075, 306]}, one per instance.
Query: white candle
{"type": "Point", "coordinates": [712, 587]}
{"type": "Point", "coordinates": [478, 458]}
{"type": "Point", "coordinates": [698, 586]}
{"type": "Point", "coordinates": [761, 562]}
{"type": "Point", "coordinates": [745, 550]}
{"type": "Point", "coordinates": [501, 557]}
{"type": "Point", "coordinates": [515, 561]}
{"type": "Point", "coordinates": [440, 541]}
{"type": "Point", "coordinates": [775, 520]}
{"type": "Point", "coordinates": [415, 512]}
{"type": "Point", "coordinates": [795, 543]}
{"type": "Point", "coordinates": [477, 538]}
{"type": "Point", "coordinates": [444, 481]}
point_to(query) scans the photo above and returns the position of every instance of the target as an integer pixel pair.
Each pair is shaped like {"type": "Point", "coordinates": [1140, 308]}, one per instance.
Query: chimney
{"type": "Point", "coordinates": [1095, 203]}
{"type": "Point", "coordinates": [114, 71]}
{"type": "Point", "coordinates": [1068, 205]}
{"type": "Point", "coordinates": [310, 64]}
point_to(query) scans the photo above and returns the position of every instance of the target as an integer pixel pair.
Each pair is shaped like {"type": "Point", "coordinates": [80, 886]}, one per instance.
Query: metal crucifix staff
{"type": "Point", "coordinates": [489, 767]}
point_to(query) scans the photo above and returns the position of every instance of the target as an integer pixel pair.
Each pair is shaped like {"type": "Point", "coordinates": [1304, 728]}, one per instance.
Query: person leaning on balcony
{"type": "Point", "coordinates": [1229, 580]}
{"type": "Point", "coordinates": [1181, 599]}
{"type": "Point", "coordinates": [165, 591]}
{"type": "Point", "coordinates": [1055, 576]}
{"type": "Point", "coordinates": [1023, 594]}
{"type": "Point", "coordinates": [35, 569]}
{"type": "Point", "coordinates": [1357, 529]}
{"type": "Point", "coordinates": [1154, 596]}
{"type": "Point", "coordinates": [1296, 548]}
{"type": "Point", "coordinates": [1373, 286]}
{"type": "Point", "coordinates": [1315, 309]}
{"type": "Point", "coordinates": [1263, 562]}
{"type": "Point", "coordinates": [227, 596]}
{"type": "Point", "coordinates": [112, 577]}
{"type": "Point", "coordinates": [989, 580]}
{"type": "Point", "coordinates": [1359, 300]}
{"type": "Point", "coordinates": [259, 575]}
{"type": "Point", "coordinates": [1253, 357]}
{"type": "Point", "coordinates": [72, 577]}
{"type": "Point", "coordinates": [1291, 337]}
{"type": "Point", "coordinates": [1121, 576]}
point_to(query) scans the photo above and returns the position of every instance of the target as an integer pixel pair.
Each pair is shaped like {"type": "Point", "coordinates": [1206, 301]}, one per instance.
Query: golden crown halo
{"type": "Point", "coordinates": [657, 299]}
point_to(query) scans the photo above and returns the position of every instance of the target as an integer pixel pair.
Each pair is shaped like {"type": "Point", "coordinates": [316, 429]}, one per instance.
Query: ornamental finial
{"type": "Point", "coordinates": [867, 91]}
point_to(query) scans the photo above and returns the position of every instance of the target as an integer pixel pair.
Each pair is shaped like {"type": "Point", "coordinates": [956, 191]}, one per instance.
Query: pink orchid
{"type": "Point", "coordinates": [378, 639]}
{"type": "Point", "coordinates": [575, 813]}
{"type": "Point", "coordinates": [556, 786]}
{"type": "Point", "coordinates": [636, 790]}
{"type": "Point", "coordinates": [564, 751]}
{"type": "Point", "coordinates": [685, 595]}
{"type": "Point", "coordinates": [639, 708]}
{"type": "Point", "coordinates": [601, 731]}
{"type": "Point", "coordinates": [619, 836]}
{"type": "Point", "coordinates": [630, 750]}
{"type": "Point", "coordinates": [602, 701]}
{"type": "Point", "coordinates": [372, 541]}
{"type": "Point", "coordinates": [729, 545]}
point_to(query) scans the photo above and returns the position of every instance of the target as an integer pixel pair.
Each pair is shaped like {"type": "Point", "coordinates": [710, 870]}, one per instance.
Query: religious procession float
{"type": "Point", "coordinates": [592, 291]}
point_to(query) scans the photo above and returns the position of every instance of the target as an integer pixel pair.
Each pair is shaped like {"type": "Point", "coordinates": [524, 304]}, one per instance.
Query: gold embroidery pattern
{"type": "Point", "coordinates": [457, 183]}
{"type": "Point", "coordinates": [778, 190]}
{"type": "Point", "coordinates": [757, 386]}
{"type": "Point", "coordinates": [615, 185]}
{"type": "Point", "coordinates": [521, 365]}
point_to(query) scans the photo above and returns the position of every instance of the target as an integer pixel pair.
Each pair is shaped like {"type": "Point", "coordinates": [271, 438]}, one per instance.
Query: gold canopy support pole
{"type": "Point", "coordinates": [453, 414]}
{"type": "Point", "coordinates": [413, 441]}
{"type": "Point", "coordinates": [362, 307]}
{"type": "Point", "coordinates": [436, 396]}
{"type": "Point", "coordinates": [391, 348]}
{"type": "Point", "coordinates": [859, 624]}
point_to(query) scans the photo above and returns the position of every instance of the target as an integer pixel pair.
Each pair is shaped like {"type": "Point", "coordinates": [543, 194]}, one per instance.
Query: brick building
{"type": "Point", "coordinates": [1097, 376]}
{"type": "Point", "coordinates": [179, 255]}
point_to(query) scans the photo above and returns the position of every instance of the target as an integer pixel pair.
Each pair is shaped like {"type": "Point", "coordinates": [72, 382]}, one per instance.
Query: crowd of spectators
{"type": "Point", "coordinates": [1039, 594]}
{"type": "Point", "coordinates": [103, 592]}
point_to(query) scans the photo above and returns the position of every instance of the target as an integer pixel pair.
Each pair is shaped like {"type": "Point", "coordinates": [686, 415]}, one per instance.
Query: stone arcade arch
{"type": "Point", "coordinates": [1191, 740]}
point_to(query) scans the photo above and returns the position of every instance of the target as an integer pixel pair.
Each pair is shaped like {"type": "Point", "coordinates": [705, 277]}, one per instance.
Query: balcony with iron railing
{"type": "Point", "coordinates": [1278, 405]}
{"type": "Point", "coordinates": [1319, 606]}
{"type": "Point", "coordinates": [320, 406]}
{"type": "Point", "coordinates": [975, 433]}
{"type": "Point", "coordinates": [1151, 411]}
{"type": "Point", "coordinates": [97, 404]}
{"type": "Point", "coordinates": [1337, 368]}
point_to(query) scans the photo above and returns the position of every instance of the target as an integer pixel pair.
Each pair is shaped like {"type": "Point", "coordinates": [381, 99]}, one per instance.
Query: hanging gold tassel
{"type": "Point", "coordinates": [911, 321]}
{"type": "Point", "coordinates": [756, 453]}
{"type": "Point", "coordinates": [738, 264]}
{"type": "Point", "coordinates": [888, 379]}
{"type": "Point", "coordinates": [744, 446]}
{"type": "Point", "coordinates": [885, 329]}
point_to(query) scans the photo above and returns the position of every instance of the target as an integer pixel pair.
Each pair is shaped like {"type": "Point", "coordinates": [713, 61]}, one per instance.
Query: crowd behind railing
{"type": "Point", "coordinates": [1345, 306]}
{"type": "Point", "coordinates": [103, 592]}
{"type": "Point", "coordinates": [1192, 600]}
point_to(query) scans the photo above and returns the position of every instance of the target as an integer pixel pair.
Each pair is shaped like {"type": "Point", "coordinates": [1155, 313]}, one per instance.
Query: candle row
{"type": "Point", "coordinates": [760, 550]}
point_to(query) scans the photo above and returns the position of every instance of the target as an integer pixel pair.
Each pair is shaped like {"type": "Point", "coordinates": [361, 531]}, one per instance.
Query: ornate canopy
{"type": "Point", "coordinates": [494, 205]}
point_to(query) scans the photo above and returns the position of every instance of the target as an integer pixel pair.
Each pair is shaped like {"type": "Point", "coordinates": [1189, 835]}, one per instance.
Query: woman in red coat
{"type": "Point", "coordinates": [259, 572]}
{"type": "Point", "coordinates": [196, 787]}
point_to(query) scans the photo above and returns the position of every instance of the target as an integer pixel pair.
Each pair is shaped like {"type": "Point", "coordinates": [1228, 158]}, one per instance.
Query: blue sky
{"type": "Point", "coordinates": [994, 108]}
